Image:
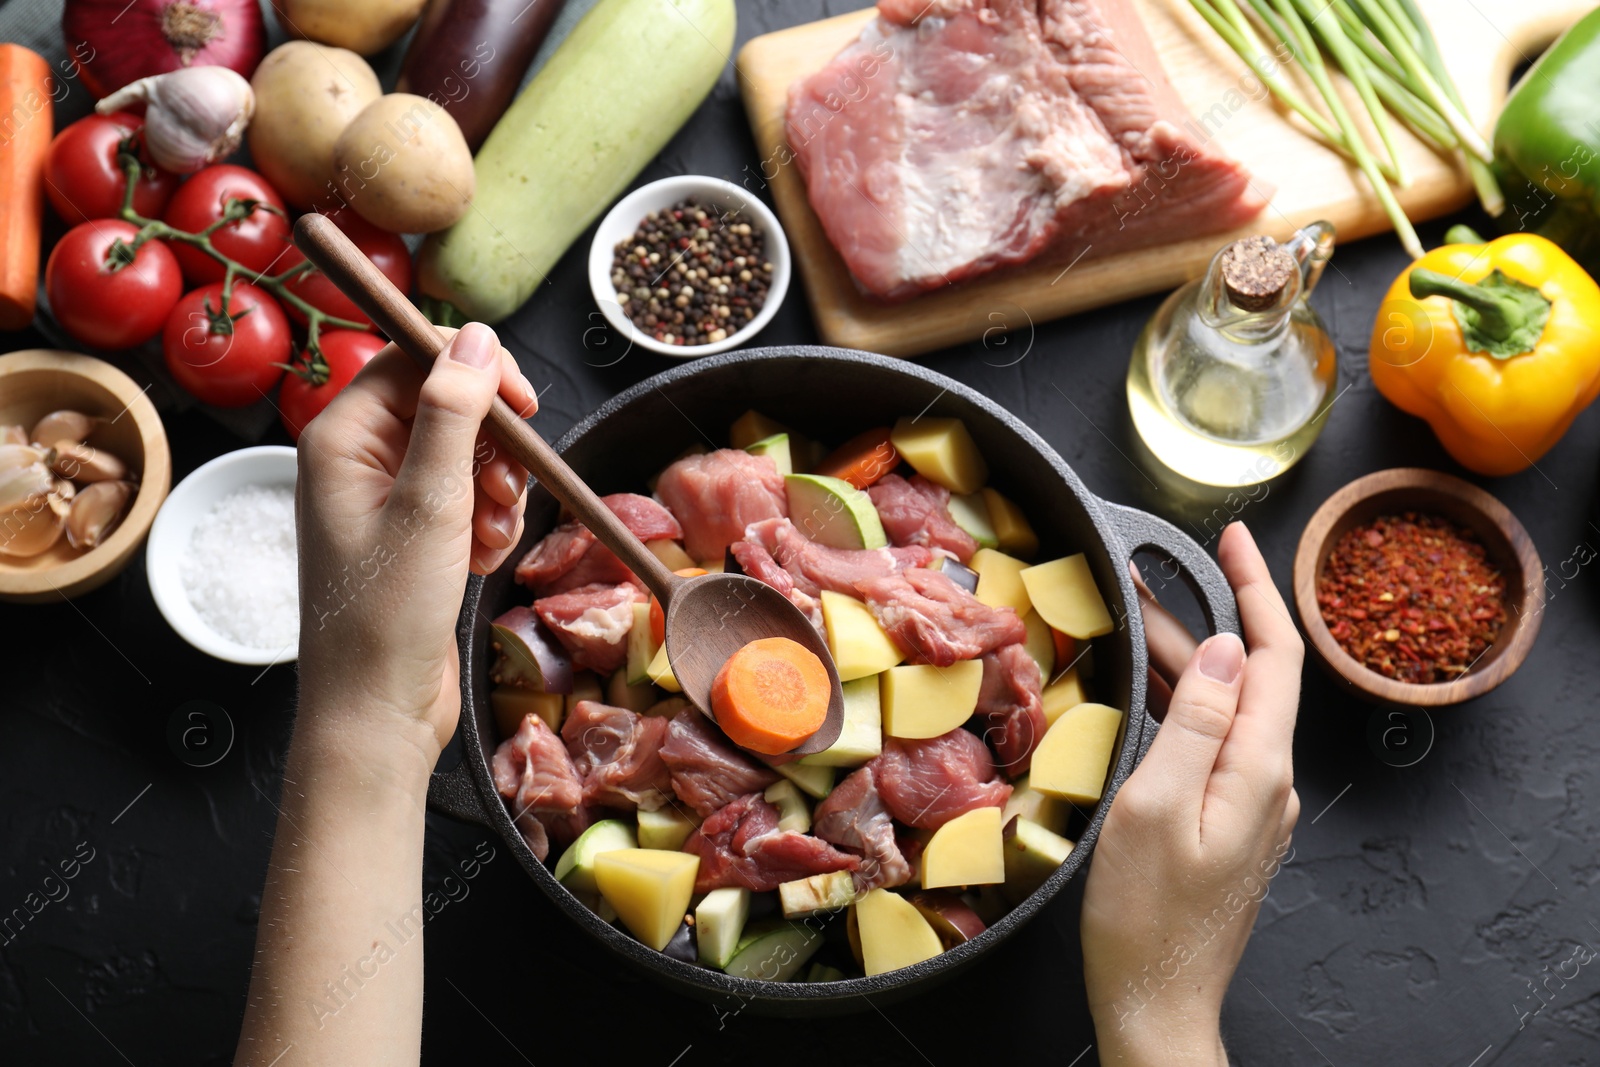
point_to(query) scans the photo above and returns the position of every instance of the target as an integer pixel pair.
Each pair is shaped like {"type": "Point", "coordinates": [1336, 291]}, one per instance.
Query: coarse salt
{"type": "Point", "coordinates": [240, 571]}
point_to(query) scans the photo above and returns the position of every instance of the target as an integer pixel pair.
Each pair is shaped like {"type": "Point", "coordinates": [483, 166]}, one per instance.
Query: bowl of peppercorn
{"type": "Point", "coordinates": [689, 266]}
{"type": "Point", "coordinates": [1418, 589]}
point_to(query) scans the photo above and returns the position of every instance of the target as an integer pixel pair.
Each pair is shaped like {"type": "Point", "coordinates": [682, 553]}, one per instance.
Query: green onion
{"type": "Point", "coordinates": [1345, 54]}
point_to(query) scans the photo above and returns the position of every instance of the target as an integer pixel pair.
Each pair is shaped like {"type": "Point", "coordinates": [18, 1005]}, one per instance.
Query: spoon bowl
{"type": "Point", "coordinates": [711, 617]}
{"type": "Point", "coordinates": [708, 618]}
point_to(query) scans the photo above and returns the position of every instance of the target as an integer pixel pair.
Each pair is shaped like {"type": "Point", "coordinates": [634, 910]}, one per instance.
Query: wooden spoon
{"type": "Point", "coordinates": [708, 618]}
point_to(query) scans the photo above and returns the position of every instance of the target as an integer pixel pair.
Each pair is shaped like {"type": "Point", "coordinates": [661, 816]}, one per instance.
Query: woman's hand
{"type": "Point", "coordinates": [399, 496]}
{"type": "Point", "coordinates": [1197, 832]}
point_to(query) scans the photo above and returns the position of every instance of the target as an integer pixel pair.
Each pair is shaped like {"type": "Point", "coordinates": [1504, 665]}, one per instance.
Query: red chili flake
{"type": "Point", "coordinates": [1412, 597]}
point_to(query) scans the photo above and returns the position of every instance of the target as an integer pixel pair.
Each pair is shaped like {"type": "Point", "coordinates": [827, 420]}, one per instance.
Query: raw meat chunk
{"type": "Point", "coordinates": [956, 137]}
{"type": "Point", "coordinates": [1010, 708]}
{"type": "Point", "coordinates": [717, 494]}
{"type": "Point", "coordinates": [618, 753]}
{"type": "Point", "coordinates": [917, 512]}
{"type": "Point", "coordinates": [927, 783]}
{"type": "Point", "coordinates": [707, 770]}
{"type": "Point", "coordinates": [854, 817]}
{"type": "Point", "coordinates": [741, 845]}
{"type": "Point", "coordinates": [533, 772]}
{"type": "Point", "coordinates": [933, 620]}
{"type": "Point", "coordinates": [758, 563]}
{"type": "Point", "coordinates": [817, 567]}
{"type": "Point", "coordinates": [592, 622]}
{"type": "Point", "coordinates": [569, 556]}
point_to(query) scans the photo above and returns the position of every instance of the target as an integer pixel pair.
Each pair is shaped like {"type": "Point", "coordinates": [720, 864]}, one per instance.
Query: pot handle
{"type": "Point", "coordinates": [451, 793]}
{"type": "Point", "coordinates": [1141, 530]}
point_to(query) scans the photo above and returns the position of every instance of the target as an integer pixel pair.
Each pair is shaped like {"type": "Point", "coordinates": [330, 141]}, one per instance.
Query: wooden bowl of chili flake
{"type": "Point", "coordinates": [1417, 588]}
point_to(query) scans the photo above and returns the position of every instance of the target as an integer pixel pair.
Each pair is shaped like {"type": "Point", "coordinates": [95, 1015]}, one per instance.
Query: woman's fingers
{"type": "Point", "coordinates": [450, 409]}
{"type": "Point", "coordinates": [515, 389]}
{"type": "Point", "coordinates": [1199, 717]}
{"type": "Point", "coordinates": [1263, 739]}
{"type": "Point", "coordinates": [1170, 642]}
{"type": "Point", "coordinates": [500, 476]}
{"type": "Point", "coordinates": [486, 560]}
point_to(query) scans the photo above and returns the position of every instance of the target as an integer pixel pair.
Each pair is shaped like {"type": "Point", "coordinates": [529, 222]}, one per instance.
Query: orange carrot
{"type": "Point", "coordinates": [26, 119]}
{"type": "Point", "coordinates": [771, 695]}
{"type": "Point", "coordinates": [658, 618]}
{"type": "Point", "coordinates": [863, 459]}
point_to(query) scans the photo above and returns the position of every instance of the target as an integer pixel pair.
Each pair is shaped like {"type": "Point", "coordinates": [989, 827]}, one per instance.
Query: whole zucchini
{"type": "Point", "coordinates": [623, 82]}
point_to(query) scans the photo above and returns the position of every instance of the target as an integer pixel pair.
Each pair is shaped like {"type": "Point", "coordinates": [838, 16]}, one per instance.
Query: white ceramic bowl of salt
{"type": "Point", "coordinates": [221, 557]}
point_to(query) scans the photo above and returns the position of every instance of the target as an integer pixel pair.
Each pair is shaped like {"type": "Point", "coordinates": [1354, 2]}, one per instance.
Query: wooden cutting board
{"type": "Point", "coordinates": [1482, 41]}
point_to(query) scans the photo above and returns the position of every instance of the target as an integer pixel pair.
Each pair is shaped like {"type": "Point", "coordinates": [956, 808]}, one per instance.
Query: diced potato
{"type": "Point", "coordinates": [1011, 527]}
{"type": "Point", "coordinates": [751, 427]}
{"type": "Point", "coordinates": [820, 892]}
{"type": "Point", "coordinates": [512, 705]}
{"type": "Point", "coordinates": [965, 851]}
{"type": "Point", "coordinates": [636, 698]}
{"type": "Point", "coordinates": [671, 553]}
{"type": "Point", "coordinates": [858, 644]}
{"type": "Point", "coordinates": [666, 828]}
{"type": "Point", "coordinates": [1000, 580]}
{"type": "Point", "coordinates": [1073, 759]}
{"type": "Point", "coordinates": [892, 933]}
{"type": "Point", "coordinates": [660, 671]}
{"type": "Point", "coordinates": [715, 566]}
{"type": "Point", "coordinates": [942, 451]}
{"type": "Point", "coordinates": [649, 888]}
{"type": "Point", "coordinates": [926, 701]}
{"type": "Point", "coordinates": [1063, 591]}
{"type": "Point", "coordinates": [1032, 854]}
{"type": "Point", "coordinates": [1026, 801]}
{"type": "Point", "coordinates": [861, 736]}
{"type": "Point", "coordinates": [1063, 694]}
{"type": "Point", "coordinates": [1040, 643]}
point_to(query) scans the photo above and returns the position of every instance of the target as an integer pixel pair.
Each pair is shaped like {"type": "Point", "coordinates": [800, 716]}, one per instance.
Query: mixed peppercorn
{"type": "Point", "coordinates": [691, 275]}
{"type": "Point", "coordinates": [1413, 597]}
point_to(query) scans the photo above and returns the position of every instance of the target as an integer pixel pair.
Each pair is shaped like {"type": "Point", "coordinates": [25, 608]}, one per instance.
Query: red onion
{"type": "Point", "coordinates": [114, 42]}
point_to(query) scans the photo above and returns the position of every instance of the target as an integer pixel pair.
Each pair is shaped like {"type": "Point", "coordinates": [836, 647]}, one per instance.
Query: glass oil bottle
{"type": "Point", "coordinates": [1232, 378]}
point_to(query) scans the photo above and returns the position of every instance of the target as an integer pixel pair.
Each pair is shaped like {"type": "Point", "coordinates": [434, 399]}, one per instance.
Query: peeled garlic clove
{"type": "Point", "coordinates": [13, 435]}
{"type": "Point", "coordinates": [31, 516]}
{"type": "Point", "coordinates": [63, 425]}
{"type": "Point", "coordinates": [95, 512]}
{"type": "Point", "coordinates": [84, 463]}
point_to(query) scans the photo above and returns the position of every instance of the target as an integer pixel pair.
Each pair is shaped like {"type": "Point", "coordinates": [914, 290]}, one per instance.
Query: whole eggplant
{"type": "Point", "coordinates": [469, 56]}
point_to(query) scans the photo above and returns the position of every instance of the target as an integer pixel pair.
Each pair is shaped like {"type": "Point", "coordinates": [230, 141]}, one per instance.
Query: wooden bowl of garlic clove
{"type": "Point", "coordinates": [36, 382]}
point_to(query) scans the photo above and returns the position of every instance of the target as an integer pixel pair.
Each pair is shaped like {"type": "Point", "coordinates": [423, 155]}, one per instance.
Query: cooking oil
{"type": "Point", "coordinates": [1232, 378]}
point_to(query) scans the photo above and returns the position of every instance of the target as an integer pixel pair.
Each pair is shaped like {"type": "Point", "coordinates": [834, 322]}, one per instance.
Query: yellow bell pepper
{"type": "Point", "coordinates": [1496, 345]}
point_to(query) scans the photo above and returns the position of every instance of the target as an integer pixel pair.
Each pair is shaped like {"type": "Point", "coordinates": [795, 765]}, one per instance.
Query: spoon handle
{"type": "Point", "coordinates": [331, 252]}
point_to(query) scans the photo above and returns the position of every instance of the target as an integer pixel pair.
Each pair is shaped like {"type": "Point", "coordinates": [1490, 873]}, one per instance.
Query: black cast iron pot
{"type": "Point", "coordinates": [831, 395]}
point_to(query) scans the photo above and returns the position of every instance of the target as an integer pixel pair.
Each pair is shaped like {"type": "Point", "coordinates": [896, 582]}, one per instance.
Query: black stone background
{"type": "Point", "coordinates": [1420, 908]}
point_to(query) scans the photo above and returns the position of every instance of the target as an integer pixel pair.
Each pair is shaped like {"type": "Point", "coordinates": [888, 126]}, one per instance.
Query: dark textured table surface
{"type": "Point", "coordinates": [1435, 913]}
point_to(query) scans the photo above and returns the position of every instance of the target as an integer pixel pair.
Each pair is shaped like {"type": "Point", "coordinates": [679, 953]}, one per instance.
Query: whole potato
{"type": "Point", "coordinates": [364, 26]}
{"type": "Point", "coordinates": [404, 166]}
{"type": "Point", "coordinates": [306, 94]}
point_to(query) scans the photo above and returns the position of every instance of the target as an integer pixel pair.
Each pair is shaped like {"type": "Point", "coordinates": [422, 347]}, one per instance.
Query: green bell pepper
{"type": "Point", "coordinates": [1547, 146]}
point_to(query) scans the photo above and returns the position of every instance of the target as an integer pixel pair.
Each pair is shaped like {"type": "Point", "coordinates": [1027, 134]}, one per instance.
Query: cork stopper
{"type": "Point", "coordinates": [1255, 272]}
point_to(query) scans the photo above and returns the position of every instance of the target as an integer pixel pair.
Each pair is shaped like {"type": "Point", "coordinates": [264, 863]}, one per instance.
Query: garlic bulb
{"type": "Point", "coordinates": [195, 115]}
